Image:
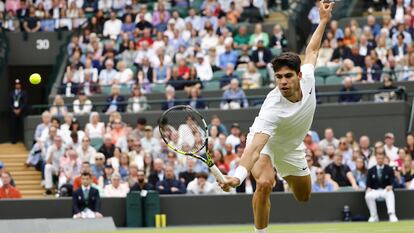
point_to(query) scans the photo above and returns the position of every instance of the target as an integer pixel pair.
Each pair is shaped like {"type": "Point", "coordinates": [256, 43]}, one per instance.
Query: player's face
{"type": "Point", "coordinates": [288, 81]}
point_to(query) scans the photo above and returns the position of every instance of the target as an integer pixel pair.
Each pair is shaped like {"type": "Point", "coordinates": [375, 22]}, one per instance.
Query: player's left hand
{"type": "Point", "coordinates": [325, 10]}
{"type": "Point", "coordinates": [229, 182]}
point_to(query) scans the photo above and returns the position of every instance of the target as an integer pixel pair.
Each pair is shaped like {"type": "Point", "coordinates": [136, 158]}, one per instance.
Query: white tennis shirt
{"type": "Point", "coordinates": [285, 122]}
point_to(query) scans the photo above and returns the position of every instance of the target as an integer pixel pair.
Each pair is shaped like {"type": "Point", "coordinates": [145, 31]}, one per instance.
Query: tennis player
{"type": "Point", "coordinates": [276, 136]}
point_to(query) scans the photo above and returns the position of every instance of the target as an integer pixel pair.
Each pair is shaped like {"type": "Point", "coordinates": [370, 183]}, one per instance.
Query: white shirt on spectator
{"type": "Point", "coordinates": [313, 15]}
{"type": "Point", "coordinates": [112, 28]}
{"type": "Point", "coordinates": [233, 140]}
{"type": "Point", "coordinates": [82, 109]}
{"type": "Point", "coordinates": [225, 5]}
{"type": "Point", "coordinates": [124, 77]}
{"type": "Point", "coordinates": [118, 4]}
{"type": "Point", "coordinates": [106, 77]}
{"type": "Point", "coordinates": [145, 53]}
{"type": "Point", "coordinates": [325, 143]}
{"type": "Point", "coordinates": [196, 21]}
{"type": "Point", "coordinates": [121, 191]}
{"type": "Point", "coordinates": [399, 15]}
{"type": "Point", "coordinates": [179, 24]}
{"type": "Point", "coordinates": [392, 152]}
{"type": "Point", "coordinates": [167, 61]}
{"type": "Point", "coordinates": [407, 38]}
{"type": "Point", "coordinates": [204, 71]}
{"type": "Point", "coordinates": [79, 3]}
{"type": "Point", "coordinates": [194, 188]}
{"type": "Point", "coordinates": [209, 42]}
{"type": "Point", "coordinates": [55, 154]}
{"type": "Point", "coordinates": [94, 73]}
{"type": "Point", "coordinates": [95, 131]}
{"type": "Point", "coordinates": [152, 145]}
{"type": "Point", "coordinates": [87, 155]}
{"type": "Point", "coordinates": [105, 5]}
{"type": "Point", "coordinates": [2, 9]}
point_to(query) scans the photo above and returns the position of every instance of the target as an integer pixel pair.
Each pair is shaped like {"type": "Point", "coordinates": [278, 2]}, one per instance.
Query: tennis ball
{"type": "Point", "coordinates": [35, 79]}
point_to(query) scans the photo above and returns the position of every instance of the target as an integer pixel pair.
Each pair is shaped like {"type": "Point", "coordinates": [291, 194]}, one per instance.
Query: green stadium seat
{"type": "Point", "coordinates": [218, 74]}
{"type": "Point", "coordinates": [276, 51]}
{"type": "Point", "coordinates": [197, 4]}
{"type": "Point", "coordinates": [333, 80]}
{"type": "Point", "coordinates": [319, 81]}
{"type": "Point", "coordinates": [158, 88]}
{"type": "Point", "coordinates": [211, 86]}
{"type": "Point", "coordinates": [323, 71]}
{"type": "Point", "coordinates": [96, 143]}
{"type": "Point", "coordinates": [106, 90]}
{"type": "Point", "coordinates": [265, 76]}
{"type": "Point", "coordinates": [345, 189]}
{"type": "Point", "coordinates": [125, 89]}
{"type": "Point", "coordinates": [239, 73]}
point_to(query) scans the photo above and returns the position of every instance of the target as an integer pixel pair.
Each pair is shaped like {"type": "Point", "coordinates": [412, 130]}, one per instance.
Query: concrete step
{"type": "Point", "coordinates": [30, 187]}
{"type": "Point", "coordinates": [32, 192]}
{"type": "Point", "coordinates": [28, 182]}
{"type": "Point", "coordinates": [13, 156]}
{"type": "Point", "coordinates": [13, 160]}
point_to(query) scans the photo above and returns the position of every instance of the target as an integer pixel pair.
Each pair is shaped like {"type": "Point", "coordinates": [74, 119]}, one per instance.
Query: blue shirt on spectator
{"type": "Point", "coordinates": [128, 27]}
{"type": "Point", "coordinates": [316, 187]}
{"type": "Point", "coordinates": [167, 184]}
{"type": "Point", "coordinates": [225, 80]}
{"type": "Point", "coordinates": [47, 25]}
{"type": "Point", "coordinates": [228, 57]}
{"type": "Point", "coordinates": [376, 29]}
{"type": "Point", "coordinates": [235, 96]}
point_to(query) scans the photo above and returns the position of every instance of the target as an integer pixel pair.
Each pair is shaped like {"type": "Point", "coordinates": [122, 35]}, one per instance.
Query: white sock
{"type": "Point", "coordinates": [264, 230]}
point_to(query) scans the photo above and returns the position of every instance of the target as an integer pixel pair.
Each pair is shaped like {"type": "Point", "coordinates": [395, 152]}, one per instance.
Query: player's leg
{"type": "Point", "coordinates": [301, 187]}
{"type": "Point", "coordinates": [264, 175]}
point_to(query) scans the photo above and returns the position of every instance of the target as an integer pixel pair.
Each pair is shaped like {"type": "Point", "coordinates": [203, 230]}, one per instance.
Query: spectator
{"type": "Point", "coordinates": [189, 174]}
{"type": "Point", "coordinates": [234, 97]}
{"type": "Point", "coordinates": [313, 16]}
{"type": "Point", "coordinates": [409, 146]}
{"type": "Point", "coordinates": [229, 56]}
{"type": "Point", "coordinates": [107, 147]}
{"type": "Point", "coordinates": [149, 143]}
{"type": "Point", "coordinates": [257, 36]}
{"type": "Point", "coordinates": [228, 77]}
{"type": "Point", "coordinates": [242, 38]}
{"type": "Point", "coordinates": [322, 184]}
{"type": "Point", "coordinates": [400, 49]}
{"type": "Point", "coordinates": [170, 100]}
{"type": "Point", "coordinates": [116, 102]}
{"type": "Point", "coordinates": [342, 52]}
{"type": "Point", "coordinates": [107, 75]}
{"type": "Point", "coordinates": [124, 163]}
{"type": "Point", "coordinates": [146, 74]}
{"type": "Point", "coordinates": [86, 152]}
{"type": "Point", "coordinates": [86, 202]}
{"type": "Point", "coordinates": [142, 184]}
{"type": "Point", "coordinates": [379, 185]}
{"type": "Point", "coordinates": [95, 128]}
{"type": "Point", "coordinates": [31, 23]}
{"type": "Point", "coordinates": [407, 171]}
{"type": "Point", "coordinates": [70, 166]}
{"type": "Point", "coordinates": [195, 99]}
{"type": "Point", "coordinates": [98, 167]}
{"type": "Point", "coordinates": [176, 81]}
{"type": "Point", "coordinates": [371, 72]}
{"type": "Point", "coordinates": [112, 27]}
{"type": "Point", "coordinates": [345, 96]}
{"type": "Point", "coordinates": [7, 191]}
{"type": "Point", "coordinates": [364, 146]}
{"type": "Point", "coordinates": [23, 11]}
{"type": "Point", "coordinates": [262, 55]}
{"type": "Point", "coordinates": [170, 185]}
{"type": "Point", "coordinates": [42, 126]}
{"type": "Point", "coordinates": [203, 68]}
{"type": "Point", "coordinates": [278, 39]}
{"type": "Point", "coordinates": [251, 77]}
{"type": "Point", "coordinates": [360, 173]}
{"type": "Point", "coordinates": [391, 151]}
{"type": "Point", "coordinates": [244, 58]}
{"type": "Point", "coordinates": [143, 22]}
{"type": "Point", "coordinates": [17, 104]}
{"type": "Point", "coordinates": [229, 156]}
{"type": "Point", "coordinates": [137, 102]}
{"type": "Point", "coordinates": [234, 137]}
{"type": "Point", "coordinates": [387, 89]}
{"type": "Point", "coordinates": [116, 188]}
{"type": "Point", "coordinates": [160, 15]}
{"type": "Point", "coordinates": [347, 153]}
{"type": "Point", "coordinates": [329, 140]}
{"type": "Point", "coordinates": [139, 131]}
{"type": "Point", "coordinates": [200, 185]}
{"type": "Point", "coordinates": [82, 105]}
{"type": "Point", "coordinates": [340, 173]}
{"type": "Point", "coordinates": [158, 174]}
{"type": "Point", "coordinates": [348, 69]}
{"type": "Point", "coordinates": [118, 132]}
{"type": "Point", "coordinates": [124, 75]}
{"type": "Point", "coordinates": [53, 156]}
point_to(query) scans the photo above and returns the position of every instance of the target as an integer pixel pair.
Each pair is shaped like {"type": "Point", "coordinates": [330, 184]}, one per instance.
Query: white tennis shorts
{"type": "Point", "coordinates": [292, 163]}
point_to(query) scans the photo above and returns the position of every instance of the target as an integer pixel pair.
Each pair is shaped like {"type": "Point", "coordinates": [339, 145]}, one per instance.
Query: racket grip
{"type": "Point", "coordinates": [217, 173]}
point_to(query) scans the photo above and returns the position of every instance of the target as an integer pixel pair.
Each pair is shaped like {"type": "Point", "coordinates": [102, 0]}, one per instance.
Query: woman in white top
{"type": "Point", "coordinates": [251, 78]}
{"type": "Point", "coordinates": [58, 109]}
{"type": "Point", "coordinates": [124, 75]}
{"type": "Point", "coordinates": [137, 102]}
{"type": "Point", "coordinates": [82, 105]}
{"type": "Point", "coordinates": [95, 128]}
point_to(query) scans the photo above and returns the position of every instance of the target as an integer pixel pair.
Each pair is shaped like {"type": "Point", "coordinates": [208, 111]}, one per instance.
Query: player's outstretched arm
{"type": "Point", "coordinates": [311, 53]}
{"type": "Point", "coordinates": [250, 155]}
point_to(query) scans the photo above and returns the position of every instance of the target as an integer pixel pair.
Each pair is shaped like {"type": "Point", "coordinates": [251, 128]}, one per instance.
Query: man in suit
{"type": "Point", "coordinates": [17, 103]}
{"type": "Point", "coordinates": [380, 179]}
{"type": "Point", "coordinates": [158, 173]}
{"type": "Point", "coordinates": [86, 202]}
{"type": "Point", "coordinates": [372, 72]}
{"type": "Point", "coordinates": [261, 56]}
{"type": "Point", "coordinates": [170, 185]}
{"type": "Point", "coordinates": [400, 49]}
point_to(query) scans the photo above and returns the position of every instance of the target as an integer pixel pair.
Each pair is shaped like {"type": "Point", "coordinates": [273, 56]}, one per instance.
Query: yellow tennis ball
{"type": "Point", "coordinates": [35, 79]}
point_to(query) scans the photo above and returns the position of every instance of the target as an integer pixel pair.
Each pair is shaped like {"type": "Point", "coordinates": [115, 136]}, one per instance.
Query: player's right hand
{"type": "Point", "coordinates": [229, 182]}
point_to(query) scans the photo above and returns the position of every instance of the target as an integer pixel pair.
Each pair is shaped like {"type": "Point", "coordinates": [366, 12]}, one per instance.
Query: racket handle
{"type": "Point", "coordinates": [217, 173]}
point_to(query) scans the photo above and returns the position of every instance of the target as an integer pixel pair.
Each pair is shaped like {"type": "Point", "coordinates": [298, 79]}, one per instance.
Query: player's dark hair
{"type": "Point", "coordinates": [290, 60]}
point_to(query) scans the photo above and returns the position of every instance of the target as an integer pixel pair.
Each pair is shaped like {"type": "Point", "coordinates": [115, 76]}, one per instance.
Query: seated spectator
{"type": "Point", "coordinates": [7, 190]}
{"type": "Point", "coordinates": [257, 36]}
{"type": "Point", "coordinates": [346, 97]}
{"type": "Point", "coordinates": [107, 75]}
{"type": "Point", "coordinates": [371, 72]}
{"type": "Point", "coordinates": [98, 167]}
{"type": "Point", "coordinates": [329, 140]}
{"type": "Point", "coordinates": [95, 128]}
{"type": "Point", "coordinates": [228, 77]}
{"type": "Point", "coordinates": [170, 185]}
{"type": "Point", "coordinates": [163, 72]}
{"type": "Point", "coordinates": [189, 174]}
{"type": "Point", "coordinates": [118, 132]}
{"type": "Point", "coordinates": [88, 86]}
{"type": "Point", "coordinates": [116, 188]}
{"type": "Point", "coordinates": [400, 49]}
{"type": "Point", "coordinates": [170, 100]}
{"type": "Point", "coordinates": [407, 171]}
{"type": "Point", "coordinates": [192, 81]}
{"type": "Point", "coordinates": [216, 121]}
{"type": "Point", "coordinates": [86, 152]}
{"type": "Point", "coordinates": [244, 58]}
{"type": "Point", "coordinates": [322, 184]}
{"type": "Point", "coordinates": [210, 39]}
{"type": "Point", "coordinates": [124, 75]}
{"type": "Point", "coordinates": [46, 117]}
{"type": "Point", "coordinates": [146, 74]}
{"type": "Point", "coordinates": [242, 38]}
{"type": "Point", "coordinates": [235, 136]}
{"type": "Point", "coordinates": [112, 27]}
{"type": "Point", "coordinates": [325, 54]}
{"type": "Point", "coordinates": [58, 109]}
{"type": "Point", "coordinates": [233, 14]}
{"type": "Point", "coordinates": [115, 103]}
{"type": "Point", "coordinates": [70, 166]}
{"type": "Point", "coordinates": [63, 23]}
{"type": "Point", "coordinates": [339, 173]}
{"type": "Point", "coordinates": [360, 173]}
{"type": "Point", "coordinates": [137, 102]}
{"type": "Point", "coordinates": [142, 184]}
{"type": "Point", "coordinates": [229, 156]}
{"type": "Point", "coordinates": [251, 78]}
{"type": "Point", "coordinates": [82, 105]}
{"type": "Point", "coordinates": [86, 202]}
{"type": "Point", "coordinates": [203, 68]}
{"type": "Point", "coordinates": [342, 52]}
{"type": "Point", "coordinates": [32, 22]}
{"type": "Point", "coordinates": [234, 97]}
{"type": "Point", "coordinates": [201, 185]}
{"type": "Point", "coordinates": [176, 81]}
{"type": "Point", "coordinates": [128, 26]}
{"type": "Point", "coordinates": [278, 39]}
{"type": "Point", "coordinates": [348, 69]}
{"type": "Point", "coordinates": [157, 174]}
{"type": "Point", "coordinates": [409, 145]}
{"type": "Point", "coordinates": [379, 185]}
{"type": "Point", "coordinates": [229, 56]}
{"type": "Point", "coordinates": [107, 147]}
{"type": "Point", "coordinates": [130, 53]}
{"type": "Point", "coordinates": [261, 56]}
{"type": "Point", "coordinates": [149, 143]}
{"type": "Point", "coordinates": [387, 88]}
{"type": "Point", "coordinates": [53, 156]}
{"type": "Point", "coordinates": [391, 151]}
{"type": "Point", "coordinates": [251, 13]}
{"type": "Point", "coordinates": [195, 99]}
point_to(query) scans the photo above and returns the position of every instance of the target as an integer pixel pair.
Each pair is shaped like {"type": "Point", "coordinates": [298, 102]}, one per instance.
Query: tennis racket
{"type": "Point", "coordinates": [184, 130]}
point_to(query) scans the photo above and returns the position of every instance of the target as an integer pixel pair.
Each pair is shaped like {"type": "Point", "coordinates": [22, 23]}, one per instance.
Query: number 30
{"type": "Point", "coordinates": [42, 44]}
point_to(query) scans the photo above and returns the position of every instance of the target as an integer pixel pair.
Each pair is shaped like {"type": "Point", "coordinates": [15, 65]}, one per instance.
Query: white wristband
{"type": "Point", "coordinates": [241, 173]}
